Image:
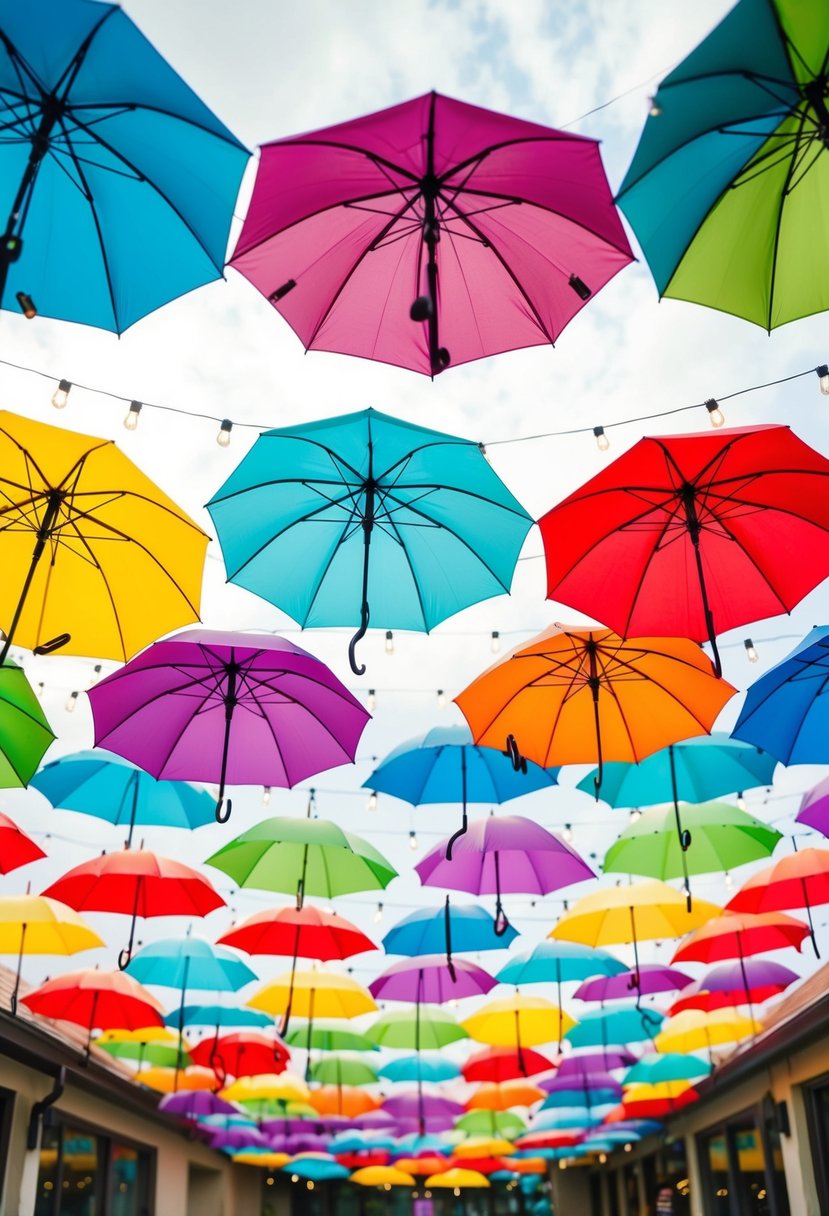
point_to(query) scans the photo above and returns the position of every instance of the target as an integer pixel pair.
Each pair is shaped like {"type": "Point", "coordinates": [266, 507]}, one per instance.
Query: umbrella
{"type": "Point", "coordinates": [673, 1066]}
{"type": "Point", "coordinates": [681, 840]}
{"type": "Point", "coordinates": [265, 1159]}
{"type": "Point", "coordinates": [172, 710]}
{"type": "Point", "coordinates": [193, 1105]}
{"type": "Point", "coordinates": [105, 785]}
{"type": "Point", "coordinates": [454, 926]}
{"type": "Point", "coordinates": [693, 770]}
{"type": "Point", "coordinates": [235, 1138]}
{"type": "Point", "coordinates": [138, 883]}
{"type": "Point", "coordinates": [325, 519]}
{"type": "Point", "coordinates": [589, 1088]}
{"type": "Point", "coordinates": [431, 1028]}
{"type": "Point", "coordinates": [382, 1175]}
{"type": "Point", "coordinates": [507, 854]}
{"type": "Point", "coordinates": [814, 808]}
{"type": "Point", "coordinates": [576, 695]}
{"type": "Point", "coordinates": [173, 1054]}
{"type": "Point", "coordinates": [586, 1063]}
{"type": "Point", "coordinates": [106, 530]}
{"type": "Point", "coordinates": [299, 932]}
{"type": "Point", "coordinates": [650, 978]}
{"type": "Point", "coordinates": [785, 711]}
{"type": "Point", "coordinates": [328, 1036]}
{"type": "Point", "coordinates": [800, 880]}
{"type": "Point", "coordinates": [701, 525]}
{"type": "Point", "coordinates": [433, 979]}
{"type": "Point", "coordinates": [282, 1087]}
{"type": "Point", "coordinates": [242, 1053]}
{"type": "Point", "coordinates": [422, 1166]}
{"type": "Point", "coordinates": [502, 229]}
{"type": "Point", "coordinates": [25, 735]}
{"type": "Point", "coordinates": [504, 1095]}
{"type": "Point", "coordinates": [95, 1000]}
{"type": "Point", "coordinates": [504, 1064]}
{"type": "Point", "coordinates": [604, 1028]}
{"type": "Point", "coordinates": [119, 184]}
{"type": "Point", "coordinates": [643, 911]}
{"type": "Point", "coordinates": [171, 1080]}
{"type": "Point", "coordinates": [315, 1167]}
{"type": "Point", "coordinates": [444, 765]}
{"type": "Point", "coordinates": [219, 1016]}
{"type": "Point", "coordinates": [456, 1179]}
{"type": "Point", "coordinates": [419, 1068]}
{"type": "Point", "coordinates": [518, 1021]}
{"type": "Point", "coordinates": [658, 1100]}
{"type": "Point", "coordinates": [34, 924]}
{"type": "Point", "coordinates": [16, 848]}
{"type": "Point", "coordinates": [342, 1100]}
{"type": "Point", "coordinates": [343, 1070]}
{"type": "Point", "coordinates": [309, 994]}
{"type": "Point", "coordinates": [694, 1030]}
{"type": "Point", "coordinates": [425, 1110]}
{"type": "Point", "coordinates": [726, 985]}
{"type": "Point", "coordinates": [728, 179]}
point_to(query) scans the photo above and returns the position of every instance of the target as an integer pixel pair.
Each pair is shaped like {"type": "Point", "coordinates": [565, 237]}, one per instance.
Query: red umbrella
{"type": "Point", "coordinates": [722, 987]}
{"type": "Point", "coordinates": [800, 880]}
{"type": "Point", "coordinates": [96, 1000]}
{"type": "Point", "coordinates": [137, 883]}
{"type": "Point", "coordinates": [691, 535]}
{"type": "Point", "coordinates": [565, 1138]}
{"type": "Point", "coordinates": [357, 1161]}
{"type": "Point", "coordinates": [656, 1108]}
{"type": "Point", "coordinates": [16, 848]}
{"type": "Point", "coordinates": [505, 1064]}
{"type": "Point", "coordinates": [305, 932]}
{"type": "Point", "coordinates": [242, 1054]}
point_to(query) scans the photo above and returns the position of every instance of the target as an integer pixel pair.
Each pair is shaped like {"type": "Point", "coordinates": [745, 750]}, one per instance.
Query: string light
{"type": "Point", "coordinates": [602, 1158]}
{"type": "Point", "coordinates": [96, 671]}
{"type": "Point", "coordinates": [372, 700]}
{"type": "Point", "coordinates": [567, 834]}
{"type": "Point", "coordinates": [655, 111]}
{"type": "Point", "coordinates": [823, 378]}
{"type": "Point", "coordinates": [71, 702]}
{"type": "Point", "coordinates": [412, 840]}
{"type": "Point", "coordinates": [741, 802]}
{"type": "Point", "coordinates": [628, 1147]}
{"type": "Point", "coordinates": [441, 699]}
{"type": "Point", "coordinates": [378, 914]}
{"type": "Point", "coordinates": [729, 881]}
{"type": "Point", "coordinates": [715, 414]}
{"type": "Point", "coordinates": [751, 653]}
{"type": "Point", "coordinates": [635, 815]}
{"type": "Point", "coordinates": [131, 420]}
{"type": "Point", "coordinates": [495, 641]}
{"type": "Point", "coordinates": [389, 642]}
{"type": "Point", "coordinates": [223, 437]}
{"type": "Point", "coordinates": [602, 441]}
{"type": "Point", "coordinates": [61, 394]}
{"type": "Point", "coordinates": [266, 795]}
{"type": "Point", "coordinates": [27, 305]}
{"type": "Point", "coordinates": [371, 805]}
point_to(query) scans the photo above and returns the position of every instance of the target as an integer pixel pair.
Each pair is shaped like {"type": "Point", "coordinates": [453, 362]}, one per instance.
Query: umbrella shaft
{"type": "Point", "coordinates": [44, 533]}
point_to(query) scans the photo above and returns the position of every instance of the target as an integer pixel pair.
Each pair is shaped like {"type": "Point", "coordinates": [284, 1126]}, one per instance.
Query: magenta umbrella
{"type": "Point", "coordinates": [433, 979]}
{"type": "Point", "coordinates": [247, 709]}
{"type": "Point", "coordinates": [507, 854]}
{"type": "Point", "coordinates": [431, 233]}
{"type": "Point", "coordinates": [587, 1063]}
{"type": "Point", "coordinates": [650, 978]}
{"type": "Point", "coordinates": [814, 808]}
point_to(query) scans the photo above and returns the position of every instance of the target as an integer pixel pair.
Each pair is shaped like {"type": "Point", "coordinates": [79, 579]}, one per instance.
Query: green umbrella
{"type": "Point", "coordinates": [429, 1030]}
{"type": "Point", "coordinates": [718, 837]}
{"type": "Point", "coordinates": [328, 1036]}
{"type": "Point", "coordinates": [303, 857]}
{"type": "Point", "coordinates": [491, 1123]}
{"type": "Point", "coordinates": [24, 732]}
{"type": "Point", "coordinates": [164, 1055]}
{"type": "Point", "coordinates": [343, 1070]}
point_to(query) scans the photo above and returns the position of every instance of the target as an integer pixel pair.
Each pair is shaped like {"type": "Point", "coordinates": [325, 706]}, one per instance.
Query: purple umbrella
{"type": "Point", "coordinates": [291, 1126]}
{"type": "Point", "coordinates": [236, 1138]}
{"type": "Point", "coordinates": [433, 979]}
{"type": "Point", "coordinates": [814, 808]}
{"type": "Point", "coordinates": [583, 1081]}
{"type": "Point", "coordinates": [193, 1104]}
{"type": "Point", "coordinates": [373, 1121]}
{"type": "Point", "coordinates": [750, 981]}
{"type": "Point", "coordinates": [507, 854]}
{"type": "Point", "coordinates": [420, 1112]}
{"type": "Point", "coordinates": [650, 978]}
{"type": "Point", "coordinates": [247, 709]}
{"type": "Point", "coordinates": [310, 1142]}
{"type": "Point", "coordinates": [588, 1062]}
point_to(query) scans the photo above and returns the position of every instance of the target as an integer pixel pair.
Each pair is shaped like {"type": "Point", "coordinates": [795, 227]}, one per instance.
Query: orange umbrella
{"type": "Point", "coordinates": [170, 1080]}
{"type": "Point", "coordinates": [348, 1100]}
{"type": "Point", "coordinates": [424, 1166]}
{"type": "Point", "coordinates": [524, 1165]}
{"type": "Point", "coordinates": [582, 696]}
{"type": "Point", "coordinates": [503, 1096]}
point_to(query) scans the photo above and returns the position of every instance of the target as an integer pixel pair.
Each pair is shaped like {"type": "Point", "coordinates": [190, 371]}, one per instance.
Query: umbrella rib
{"type": "Point", "coordinates": [525, 203]}
{"type": "Point", "coordinates": [130, 107]}
{"type": "Point", "coordinates": [779, 223]}
{"type": "Point", "coordinates": [416, 584]}
{"type": "Point", "coordinates": [307, 518]}
{"type": "Point", "coordinates": [97, 565]}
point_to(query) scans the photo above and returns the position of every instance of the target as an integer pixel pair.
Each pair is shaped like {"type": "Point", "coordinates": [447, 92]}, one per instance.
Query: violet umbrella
{"type": "Point", "coordinates": [814, 808]}
{"type": "Point", "coordinates": [195, 1104]}
{"type": "Point", "coordinates": [249, 709]}
{"type": "Point", "coordinates": [430, 233]}
{"type": "Point", "coordinates": [648, 979]}
{"type": "Point", "coordinates": [751, 982]}
{"type": "Point", "coordinates": [590, 1062]}
{"type": "Point", "coordinates": [425, 1110]}
{"type": "Point", "coordinates": [507, 854]}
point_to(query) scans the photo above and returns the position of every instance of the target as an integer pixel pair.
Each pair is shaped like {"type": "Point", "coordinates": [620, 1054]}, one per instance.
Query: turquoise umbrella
{"type": "Point", "coordinates": [316, 1168]}
{"type": "Point", "coordinates": [102, 784]}
{"type": "Point", "coordinates": [220, 1016]}
{"type": "Point", "coordinates": [603, 1028]}
{"type": "Point", "coordinates": [672, 1066]}
{"type": "Point", "coordinates": [420, 1068]}
{"type": "Point", "coordinates": [364, 519]}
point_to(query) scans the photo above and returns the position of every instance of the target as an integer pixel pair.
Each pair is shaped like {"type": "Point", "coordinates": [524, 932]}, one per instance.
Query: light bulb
{"type": "Point", "coordinates": [389, 642]}
{"type": "Point", "coordinates": [635, 814]}
{"type": "Point", "coordinates": [654, 108]}
{"type": "Point", "coordinates": [96, 671]}
{"type": "Point", "coordinates": [71, 702]}
{"type": "Point", "coordinates": [266, 795]}
{"type": "Point", "coordinates": [27, 305]}
{"type": "Point", "coordinates": [495, 641]}
{"type": "Point", "coordinates": [41, 689]}
{"type": "Point", "coordinates": [602, 1158]}
{"type": "Point", "coordinates": [441, 699]}
{"type": "Point", "coordinates": [294, 1177]}
{"type": "Point", "coordinates": [823, 378]}
{"type": "Point", "coordinates": [715, 414]}
{"type": "Point", "coordinates": [412, 840]}
{"type": "Point", "coordinates": [602, 441]}
{"type": "Point", "coordinates": [741, 802]}
{"type": "Point", "coordinates": [567, 834]}
{"type": "Point", "coordinates": [483, 451]}
{"type": "Point", "coordinates": [751, 653]}
{"type": "Point", "coordinates": [371, 805]}
{"type": "Point", "coordinates": [223, 437]}
{"type": "Point", "coordinates": [372, 700]}
{"type": "Point", "coordinates": [378, 914]}
{"type": "Point", "coordinates": [457, 1191]}
{"type": "Point", "coordinates": [131, 420]}
{"type": "Point", "coordinates": [310, 1184]}
{"type": "Point", "coordinates": [729, 881]}
{"type": "Point", "coordinates": [628, 1147]}
{"type": "Point", "coordinates": [61, 395]}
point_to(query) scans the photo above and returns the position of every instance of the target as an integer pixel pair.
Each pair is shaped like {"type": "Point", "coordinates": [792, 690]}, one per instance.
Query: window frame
{"type": "Point", "coordinates": [105, 1138]}
{"type": "Point", "coordinates": [816, 1145]}
{"type": "Point", "coordinates": [728, 1129]}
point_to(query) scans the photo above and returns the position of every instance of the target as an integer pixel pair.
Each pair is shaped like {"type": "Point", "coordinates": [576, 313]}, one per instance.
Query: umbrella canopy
{"type": "Point", "coordinates": [16, 848]}
{"type": "Point", "coordinates": [171, 1080]}
{"type": "Point", "coordinates": [457, 1179]}
{"type": "Point", "coordinates": [282, 1087]}
{"type": "Point", "coordinates": [25, 735]}
{"type": "Point", "coordinates": [786, 711]}
{"type": "Point", "coordinates": [319, 1167]}
{"type": "Point", "coordinates": [587, 1063]}
{"type": "Point", "coordinates": [382, 1175]}
{"type": "Point", "coordinates": [600, 1027]}
{"type": "Point", "coordinates": [343, 1100]}
{"type": "Point", "coordinates": [165, 1055]}
{"type": "Point", "coordinates": [35, 924]}
{"type": "Point", "coordinates": [422, 1166]}
{"type": "Point", "coordinates": [504, 1064]}
{"type": "Point", "coordinates": [700, 524]}
{"type": "Point", "coordinates": [119, 184]}
{"type": "Point", "coordinates": [729, 177]}
{"type": "Point", "coordinates": [693, 770]}
{"type": "Point", "coordinates": [504, 1095]}
{"type": "Point", "coordinates": [433, 1109]}
{"type": "Point", "coordinates": [814, 808]}
{"type": "Point", "coordinates": [432, 191]}
{"type": "Point", "coordinates": [650, 978]}
{"type": "Point", "coordinates": [673, 1066]}
{"type": "Point", "coordinates": [461, 927]}
{"type": "Point", "coordinates": [430, 1028]}
{"type": "Point", "coordinates": [694, 1030]}
{"type": "Point", "coordinates": [194, 1105]}
{"type": "Point", "coordinates": [800, 880]}
{"type": "Point", "coordinates": [102, 784]}
{"type": "Point", "coordinates": [108, 530]}
{"type": "Point", "coordinates": [303, 857]}
{"type": "Point", "coordinates": [242, 1053]}
{"type": "Point", "coordinates": [503, 854]}
{"type": "Point", "coordinates": [740, 934]}
{"type": "Point", "coordinates": [329, 1036]}
{"type": "Point", "coordinates": [138, 883]}
{"type": "Point", "coordinates": [420, 1068]}
{"type": "Point", "coordinates": [325, 519]}
{"type": "Point", "coordinates": [96, 1000]}
{"type": "Point", "coordinates": [752, 981]}
{"type": "Point", "coordinates": [312, 993]}
{"type": "Point", "coordinates": [343, 1070]}
{"type": "Point", "coordinates": [217, 1016]}
{"type": "Point", "coordinates": [431, 978]}
{"type": "Point", "coordinates": [518, 1021]}
{"type": "Point", "coordinates": [173, 708]}
{"type": "Point", "coordinates": [580, 695]}
{"type": "Point", "coordinates": [187, 963]}
{"type": "Point", "coordinates": [299, 932]}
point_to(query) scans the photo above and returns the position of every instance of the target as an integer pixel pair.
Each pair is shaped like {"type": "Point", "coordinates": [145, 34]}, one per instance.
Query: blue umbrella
{"type": "Point", "coordinates": [672, 1066]}
{"type": "Point", "coordinates": [602, 1027]}
{"type": "Point", "coordinates": [219, 1016]}
{"type": "Point", "coordinates": [316, 1169]}
{"type": "Point", "coordinates": [444, 765]}
{"type": "Point", "coordinates": [364, 519]}
{"type": "Point", "coordinates": [593, 1095]}
{"type": "Point", "coordinates": [102, 784]}
{"type": "Point", "coordinates": [118, 182]}
{"type": "Point", "coordinates": [420, 1068]}
{"type": "Point", "coordinates": [786, 711]}
{"type": "Point", "coordinates": [463, 927]}
{"type": "Point", "coordinates": [570, 1117]}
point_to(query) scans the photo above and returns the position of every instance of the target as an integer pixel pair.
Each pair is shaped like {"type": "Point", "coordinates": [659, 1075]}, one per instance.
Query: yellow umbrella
{"type": "Point", "coordinates": [316, 994]}
{"type": "Point", "coordinates": [170, 1080]}
{"type": "Point", "coordinates": [36, 924]}
{"type": "Point", "coordinates": [696, 1030]}
{"type": "Point", "coordinates": [655, 1091]}
{"type": "Point", "coordinates": [96, 558]}
{"type": "Point", "coordinates": [484, 1146]}
{"type": "Point", "coordinates": [456, 1179]}
{"type": "Point", "coordinates": [268, 1161]}
{"type": "Point", "coordinates": [147, 1034]}
{"type": "Point", "coordinates": [518, 1021]}
{"type": "Point", "coordinates": [382, 1175]}
{"type": "Point", "coordinates": [282, 1087]}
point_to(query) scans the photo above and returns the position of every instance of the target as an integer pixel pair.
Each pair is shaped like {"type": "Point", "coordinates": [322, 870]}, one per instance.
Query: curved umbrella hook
{"type": "Point", "coordinates": [359, 669]}
{"type": "Point", "coordinates": [462, 830]}
{"type": "Point", "coordinates": [501, 921]}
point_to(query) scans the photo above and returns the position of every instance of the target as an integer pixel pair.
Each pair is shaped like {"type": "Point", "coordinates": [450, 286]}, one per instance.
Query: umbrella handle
{"type": "Point", "coordinates": [357, 668]}
{"type": "Point", "coordinates": [222, 816]}
{"type": "Point", "coordinates": [124, 957]}
{"type": "Point", "coordinates": [462, 830]}
{"type": "Point", "coordinates": [519, 762]}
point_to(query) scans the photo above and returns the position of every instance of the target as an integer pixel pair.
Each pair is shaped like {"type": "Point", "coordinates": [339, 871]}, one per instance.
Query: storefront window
{"type": "Point", "coordinates": [818, 1109]}
{"type": "Point", "coordinates": [742, 1166]}
{"type": "Point", "coordinates": [83, 1173]}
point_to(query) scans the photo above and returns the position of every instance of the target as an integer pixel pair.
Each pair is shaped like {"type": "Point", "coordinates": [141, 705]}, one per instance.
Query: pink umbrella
{"type": "Point", "coordinates": [507, 854]}
{"type": "Point", "coordinates": [250, 709]}
{"type": "Point", "coordinates": [429, 233]}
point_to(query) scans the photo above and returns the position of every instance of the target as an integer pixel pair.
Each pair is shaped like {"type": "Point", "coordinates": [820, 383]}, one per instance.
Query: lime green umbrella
{"type": "Point", "coordinates": [716, 836]}
{"type": "Point", "coordinates": [328, 1036]}
{"type": "Point", "coordinates": [428, 1030]}
{"type": "Point", "coordinates": [164, 1055]}
{"type": "Point", "coordinates": [343, 1070]}
{"type": "Point", "coordinates": [24, 732]}
{"type": "Point", "coordinates": [491, 1123]}
{"type": "Point", "coordinates": [303, 857]}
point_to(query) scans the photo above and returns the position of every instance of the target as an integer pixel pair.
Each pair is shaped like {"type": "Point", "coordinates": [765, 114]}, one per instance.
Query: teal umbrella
{"type": "Point", "coordinates": [672, 1066]}
{"type": "Point", "coordinates": [420, 1068]}
{"type": "Point", "coordinates": [604, 1028]}
{"type": "Point", "coordinates": [365, 519]}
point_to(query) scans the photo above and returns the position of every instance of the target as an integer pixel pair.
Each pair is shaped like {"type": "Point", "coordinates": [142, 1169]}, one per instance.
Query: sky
{"type": "Point", "coordinates": [270, 70]}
